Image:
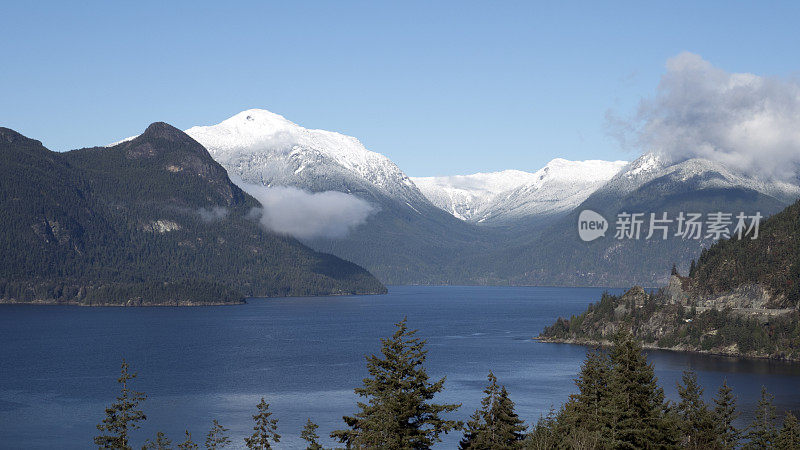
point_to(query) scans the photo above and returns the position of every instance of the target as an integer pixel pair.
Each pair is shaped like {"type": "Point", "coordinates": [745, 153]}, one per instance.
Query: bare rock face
{"type": "Point", "coordinates": [635, 296]}
{"type": "Point", "coordinates": [675, 293]}
{"type": "Point", "coordinates": [749, 296]}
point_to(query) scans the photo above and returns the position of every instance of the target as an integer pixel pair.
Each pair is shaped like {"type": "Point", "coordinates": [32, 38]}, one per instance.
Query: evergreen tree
{"type": "Point", "coordinates": [494, 425]}
{"type": "Point", "coordinates": [398, 412]}
{"type": "Point", "coordinates": [674, 270]}
{"type": "Point", "coordinates": [265, 429]}
{"type": "Point", "coordinates": [692, 268]}
{"type": "Point", "coordinates": [188, 443]}
{"type": "Point", "coordinates": [724, 415]}
{"type": "Point", "coordinates": [123, 416]}
{"type": "Point", "coordinates": [217, 437]}
{"type": "Point", "coordinates": [161, 443]}
{"type": "Point", "coordinates": [587, 410]}
{"type": "Point", "coordinates": [309, 434]}
{"type": "Point", "coordinates": [543, 436]}
{"type": "Point", "coordinates": [637, 412]}
{"type": "Point", "coordinates": [697, 423]}
{"type": "Point", "coordinates": [762, 432]}
{"type": "Point", "coordinates": [789, 436]}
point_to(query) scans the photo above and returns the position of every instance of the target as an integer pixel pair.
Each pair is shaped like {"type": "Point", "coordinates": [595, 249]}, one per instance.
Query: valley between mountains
{"type": "Point", "coordinates": [258, 205]}
{"type": "Point", "coordinates": [503, 228]}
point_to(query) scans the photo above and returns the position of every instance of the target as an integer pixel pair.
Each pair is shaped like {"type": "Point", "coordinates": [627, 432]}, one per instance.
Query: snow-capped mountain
{"type": "Point", "coordinates": [650, 184]}
{"type": "Point", "coordinates": [696, 174]}
{"type": "Point", "coordinates": [502, 197]}
{"type": "Point", "coordinates": [265, 148]}
{"type": "Point", "coordinates": [406, 239]}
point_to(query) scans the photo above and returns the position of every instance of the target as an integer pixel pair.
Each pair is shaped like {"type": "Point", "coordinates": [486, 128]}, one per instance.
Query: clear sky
{"type": "Point", "coordinates": [439, 87]}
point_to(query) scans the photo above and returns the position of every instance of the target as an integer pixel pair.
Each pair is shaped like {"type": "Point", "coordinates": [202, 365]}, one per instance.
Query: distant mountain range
{"type": "Point", "coordinates": [509, 227]}
{"type": "Point", "coordinates": [650, 184]}
{"type": "Point", "coordinates": [513, 195]}
{"type": "Point", "coordinates": [153, 220]}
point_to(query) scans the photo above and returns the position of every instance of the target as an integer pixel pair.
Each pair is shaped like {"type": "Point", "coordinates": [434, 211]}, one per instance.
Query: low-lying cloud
{"type": "Point", "coordinates": [308, 215]}
{"type": "Point", "coordinates": [212, 214]}
{"type": "Point", "coordinates": [745, 121]}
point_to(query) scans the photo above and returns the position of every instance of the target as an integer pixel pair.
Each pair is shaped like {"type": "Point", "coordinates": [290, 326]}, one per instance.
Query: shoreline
{"type": "Point", "coordinates": [651, 346]}
{"type": "Point", "coordinates": [190, 304]}
{"type": "Point", "coordinates": [120, 305]}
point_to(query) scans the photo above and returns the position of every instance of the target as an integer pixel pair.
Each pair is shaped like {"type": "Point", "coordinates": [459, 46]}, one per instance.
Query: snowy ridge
{"type": "Point", "coordinates": [500, 197]}
{"type": "Point", "coordinates": [706, 174]}
{"type": "Point", "coordinates": [265, 148]}
{"type": "Point", "coordinates": [260, 147]}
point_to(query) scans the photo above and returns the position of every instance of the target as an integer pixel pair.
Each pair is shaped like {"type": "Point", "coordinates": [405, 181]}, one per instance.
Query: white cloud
{"type": "Point", "coordinates": [308, 215]}
{"type": "Point", "coordinates": [745, 121]}
{"type": "Point", "coordinates": [212, 214]}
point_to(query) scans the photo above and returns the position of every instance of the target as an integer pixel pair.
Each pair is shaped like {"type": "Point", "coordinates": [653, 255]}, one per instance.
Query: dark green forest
{"type": "Point", "coordinates": [618, 405]}
{"type": "Point", "coordinates": [741, 298]}
{"type": "Point", "coordinates": [772, 260]}
{"type": "Point", "coordinates": [154, 220]}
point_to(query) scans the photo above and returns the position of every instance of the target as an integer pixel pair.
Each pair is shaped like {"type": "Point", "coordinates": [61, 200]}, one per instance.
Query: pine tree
{"type": "Point", "coordinates": [123, 416]}
{"type": "Point", "coordinates": [265, 429]}
{"type": "Point", "coordinates": [309, 434]}
{"type": "Point", "coordinates": [636, 409]}
{"type": "Point", "coordinates": [161, 443]}
{"type": "Point", "coordinates": [789, 436]}
{"type": "Point", "coordinates": [216, 437]}
{"type": "Point", "coordinates": [674, 270]}
{"type": "Point", "coordinates": [512, 428]}
{"type": "Point", "coordinates": [398, 412]}
{"type": "Point", "coordinates": [692, 269]}
{"type": "Point", "coordinates": [494, 425]}
{"type": "Point", "coordinates": [696, 421]}
{"type": "Point", "coordinates": [544, 435]}
{"type": "Point", "coordinates": [586, 410]}
{"type": "Point", "coordinates": [762, 432]}
{"type": "Point", "coordinates": [724, 415]}
{"type": "Point", "coordinates": [188, 443]}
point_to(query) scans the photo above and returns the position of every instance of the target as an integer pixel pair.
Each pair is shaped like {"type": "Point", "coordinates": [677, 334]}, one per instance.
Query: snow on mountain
{"type": "Point", "coordinates": [265, 148]}
{"type": "Point", "coordinates": [702, 173]}
{"type": "Point", "coordinates": [501, 197]}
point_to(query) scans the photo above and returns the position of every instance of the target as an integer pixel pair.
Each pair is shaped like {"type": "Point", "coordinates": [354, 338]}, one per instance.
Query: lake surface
{"type": "Point", "coordinates": [59, 364]}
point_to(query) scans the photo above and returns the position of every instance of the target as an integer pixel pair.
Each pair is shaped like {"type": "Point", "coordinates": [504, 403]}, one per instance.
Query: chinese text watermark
{"type": "Point", "coordinates": [714, 225]}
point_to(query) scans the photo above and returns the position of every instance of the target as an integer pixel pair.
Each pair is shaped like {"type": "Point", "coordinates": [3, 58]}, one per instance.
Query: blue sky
{"type": "Point", "coordinates": [439, 87]}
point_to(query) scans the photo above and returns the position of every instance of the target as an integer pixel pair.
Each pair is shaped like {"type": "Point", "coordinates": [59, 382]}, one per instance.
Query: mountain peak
{"type": "Point", "coordinates": [151, 142]}
{"type": "Point", "coordinates": [265, 148]}
{"type": "Point", "coordinates": [165, 131]}
{"type": "Point", "coordinates": [260, 117]}
{"type": "Point", "coordinates": [161, 128]}
{"type": "Point", "coordinates": [12, 137]}
{"type": "Point", "coordinates": [502, 197]}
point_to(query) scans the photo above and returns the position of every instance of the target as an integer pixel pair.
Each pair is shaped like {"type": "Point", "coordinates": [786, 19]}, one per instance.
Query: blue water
{"type": "Point", "coordinates": [59, 364]}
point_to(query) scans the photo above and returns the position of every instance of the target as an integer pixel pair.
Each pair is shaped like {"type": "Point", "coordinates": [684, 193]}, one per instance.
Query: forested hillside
{"type": "Point", "coordinates": [740, 298]}
{"type": "Point", "coordinates": [154, 220]}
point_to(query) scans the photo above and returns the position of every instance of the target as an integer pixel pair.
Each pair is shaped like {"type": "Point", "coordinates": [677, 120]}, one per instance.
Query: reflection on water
{"type": "Point", "coordinates": [59, 364]}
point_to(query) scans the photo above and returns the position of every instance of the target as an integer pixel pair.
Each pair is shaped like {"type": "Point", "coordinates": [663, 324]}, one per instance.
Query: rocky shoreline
{"type": "Point", "coordinates": [729, 353]}
{"type": "Point", "coordinates": [129, 304]}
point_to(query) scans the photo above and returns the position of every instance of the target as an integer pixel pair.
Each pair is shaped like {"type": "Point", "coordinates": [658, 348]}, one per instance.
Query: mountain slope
{"type": "Point", "coordinates": [152, 220]}
{"type": "Point", "coordinates": [647, 185]}
{"type": "Point", "coordinates": [740, 299]}
{"type": "Point", "coordinates": [407, 240]}
{"type": "Point", "coordinates": [500, 198]}
{"type": "Point", "coordinates": [264, 148]}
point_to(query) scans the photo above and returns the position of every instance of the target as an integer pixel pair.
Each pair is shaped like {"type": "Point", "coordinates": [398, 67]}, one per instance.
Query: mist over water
{"type": "Point", "coordinates": [305, 355]}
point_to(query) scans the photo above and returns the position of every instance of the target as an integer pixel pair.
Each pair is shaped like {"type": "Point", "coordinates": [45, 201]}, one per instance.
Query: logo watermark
{"type": "Point", "coordinates": [638, 226]}
{"type": "Point", "coordinates": [591, 225]}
